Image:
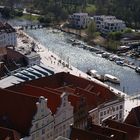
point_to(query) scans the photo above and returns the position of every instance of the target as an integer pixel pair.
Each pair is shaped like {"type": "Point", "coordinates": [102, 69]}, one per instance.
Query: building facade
{"type": "Point", "coordinates": [48, 126]}
{"type": "Point", "coordinates": [79, 20]}
{"type": "Point", "coordinates": [106, 24]}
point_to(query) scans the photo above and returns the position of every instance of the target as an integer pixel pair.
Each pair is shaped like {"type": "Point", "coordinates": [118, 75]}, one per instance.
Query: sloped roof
{"type": "Point", "coordinates": [94, 94]}
{"type": "Point", "coordinates": [80, 134]}
{"type": "Point", "coordinates": [63, 79]}
{"type": "Point", "coordinates": [115, 134]}
{"type": "Point", "coordinates": [17, 110]}
{"type": "Point", "coordinates": [133, 117]}
{"type": "Point", "coordinates": [53, 98]}
{"type": "Point", "coordinates": [6, 134]}
{"type": "Point", "coordinates": [133, 133]}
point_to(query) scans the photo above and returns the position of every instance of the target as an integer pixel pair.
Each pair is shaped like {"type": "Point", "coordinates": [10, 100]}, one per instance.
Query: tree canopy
{"type": "Point", "coordinates": [127, 10]}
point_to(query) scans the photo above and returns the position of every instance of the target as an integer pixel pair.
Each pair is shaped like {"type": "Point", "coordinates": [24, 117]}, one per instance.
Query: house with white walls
{"type": "Point", "coordinates": [79, 20]}
{"type": "Point", "coordinates": [107, 24]}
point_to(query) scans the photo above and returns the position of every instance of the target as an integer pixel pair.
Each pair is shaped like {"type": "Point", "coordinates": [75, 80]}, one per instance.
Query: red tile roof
{"type": "Point", "coordinates": [17, 110]}
{"type": "Point", "coordinates": [8, 134]}
{"type": "Point", "coordinates": [133, 117]}
{"type": "Point", "coordinates": [106, 131]}
{"type": "Point", "coordinates": [133, 133]}
{"type": "Point", "coordinates": [80, 134]}
{"type": "Point", "coordinates": [53, 95]}
{"type": "Point", "coordinates": [93, 93]}
{"type": "Point", "coordinates": [54, 100]}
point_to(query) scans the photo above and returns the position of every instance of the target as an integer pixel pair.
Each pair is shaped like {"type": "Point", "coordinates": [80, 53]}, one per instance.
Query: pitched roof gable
{"type": "Point", "coordinates": [17, 110]}
{"type": "Point", "coordinates": [133, 133]}
{"type": "Point", "coordinates": [133, 117]}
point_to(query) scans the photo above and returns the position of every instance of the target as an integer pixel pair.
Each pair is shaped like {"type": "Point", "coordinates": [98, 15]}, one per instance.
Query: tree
{"type": "Point", "coordinates": [90, 9]}
{"type": "Point", "coordinates": [91, 30]}
{"type": "Point", "coordinates": [115, 35]}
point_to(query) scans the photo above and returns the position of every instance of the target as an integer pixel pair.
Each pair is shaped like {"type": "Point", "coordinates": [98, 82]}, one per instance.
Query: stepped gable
{"type": "Point", "coordinates": [54, 100]}
{"type": "Point", "coordinates": [8, 134]}
{"type": "Point", "coordinates": [133, 117]}
{"type": "Point", "coordinates": [133, 133]}
{"type": "Point", "coordinates": [75, 100]}
{"type": "Point", "coordinates": [17, 111]}
{"type": "Point", "coordinates": [80, 134]}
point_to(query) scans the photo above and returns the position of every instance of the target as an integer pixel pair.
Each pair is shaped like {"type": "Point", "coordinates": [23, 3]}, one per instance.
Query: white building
{"type": "Point", "coordinates": [114, 109]}
{"type": "Point", "coordinates": [79, 20]}
{"type": "Point", "coordinates": [64, 117]}
{"type": "Point", "coordinates": [7, 35]}
{"type": "Point", "coordinates": [107, 24]}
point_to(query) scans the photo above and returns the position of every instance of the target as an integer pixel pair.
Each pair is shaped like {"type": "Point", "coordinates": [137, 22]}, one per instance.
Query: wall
{"type": "Point", "coordinates": [63, 117]}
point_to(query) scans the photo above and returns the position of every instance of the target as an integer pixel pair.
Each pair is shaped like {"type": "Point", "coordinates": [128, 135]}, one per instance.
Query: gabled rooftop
{"type": "Point", "coordinates": [53, 96]}
{"type": "Point", "coordinates": [133, 117]}
{"type": "Point", "coordinates": [17, 110]}
{"type": "Point", "coordinates": [133, 133]}
{"type": "Point", "coordinates": [77, 87]}
{"type": "Point", "coordinates": [80, 134]}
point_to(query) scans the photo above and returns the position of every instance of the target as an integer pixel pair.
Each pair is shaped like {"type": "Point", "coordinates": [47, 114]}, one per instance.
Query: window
{"type": "Point", "coordinates": [108, 111]}
{"type": "Point", "coordinates": [113, 108]}
{"type": "Point", "coordinates": [117, 108]}
{"type": "Point", "coordinates": [121, 106]}
{"type": "Point", "coordinates": [104, 112]}
{"type": "Point", "coordinates": [101, 114]}
{"type": "Point", "coordinates": [116, 116]}
{"type": "Point", "coordinates": [43, 131]}
{"type": "Point", "coordinates": [43, 123]}
{"type": "Point", "coordinates": [37, 134]}
{"type": "Point", "coordinates": [120, 115]}
{"type": "Point", "coordinates": [36, 125]}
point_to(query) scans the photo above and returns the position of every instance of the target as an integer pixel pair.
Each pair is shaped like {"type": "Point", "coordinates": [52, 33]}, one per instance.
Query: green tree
{"type": "Point", "coordinates": [90, 9]}
{"type": "Point", "coordinates": [115, 35]}
{"type": "Point", "coordinates": [91, 30]}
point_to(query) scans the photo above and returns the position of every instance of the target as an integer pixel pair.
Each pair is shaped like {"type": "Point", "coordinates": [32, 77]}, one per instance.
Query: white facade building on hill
{"type": "Point", "coordinates": [107, 24]}
{"type": "Point", "coordinates": [7, 35]}
{"type": "Point", "coordinates": [79, 20]}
